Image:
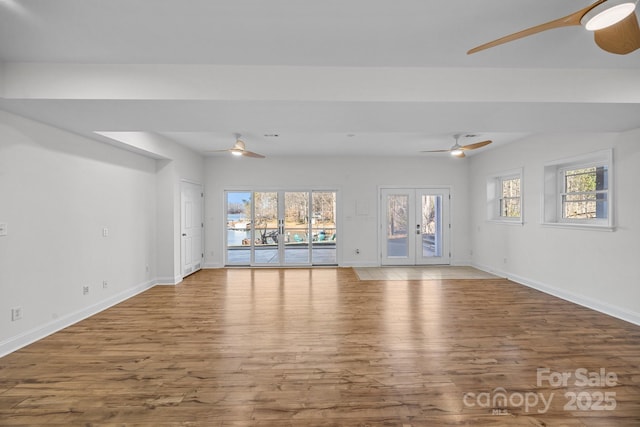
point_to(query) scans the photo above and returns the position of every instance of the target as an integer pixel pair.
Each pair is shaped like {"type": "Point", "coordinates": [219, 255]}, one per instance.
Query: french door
{"type": "Point", "coordinates": [278, 228]}
{"type": "Point", "coordinates": [415, 226]}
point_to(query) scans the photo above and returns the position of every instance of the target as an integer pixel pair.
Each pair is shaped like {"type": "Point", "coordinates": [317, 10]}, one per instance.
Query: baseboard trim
{"type": "Point", "coordinates": [168, 281]}
{"type": "Point", "coordinates": [353, 264]}
{"type": "Point", "coordinates": [212, 265]}
{"type": "Point", "coordinates": [599, 306]}
{"type": "Point", "coordinates": [24, 339]}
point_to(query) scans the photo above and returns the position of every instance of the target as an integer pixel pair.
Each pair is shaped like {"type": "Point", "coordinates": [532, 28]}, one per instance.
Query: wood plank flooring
{"type": "Point", "coordinates": [318, 347]}
{"type": "Point", "coordinates": [430, 272]}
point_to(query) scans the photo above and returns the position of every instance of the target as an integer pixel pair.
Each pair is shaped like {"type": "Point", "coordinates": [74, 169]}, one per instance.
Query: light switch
{"type": "Point", "coordinates": [4, 229]}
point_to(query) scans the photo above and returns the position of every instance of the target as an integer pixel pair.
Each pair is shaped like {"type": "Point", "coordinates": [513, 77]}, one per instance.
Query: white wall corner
{"type": "Point", "coordinates": [168, 281]}
{"type": "Point", "coordinates": [460, 262]}
{"type": "Point", "coordinates": [213, 265]}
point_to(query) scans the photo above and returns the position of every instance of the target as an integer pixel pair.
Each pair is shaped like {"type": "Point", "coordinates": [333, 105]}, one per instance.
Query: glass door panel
{"type": "Point", "coordinates": [431, 226]}
{"type": "Point", "coordinates": [296, 228]}
{"type": "Point", "coordinates": [433, 213]}
{"type": "Point", "coordinates": [265, 228]}
{"type": "Point", "coordinates": [238, 234]}
{"type": "Point", "coordinates": [398, 247]}
{"type": "Point", "coordinates": [323, 227]}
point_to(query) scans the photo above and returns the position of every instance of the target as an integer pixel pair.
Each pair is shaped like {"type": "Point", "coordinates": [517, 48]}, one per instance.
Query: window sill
{"type": "Point", "coordinates": [575, 226]}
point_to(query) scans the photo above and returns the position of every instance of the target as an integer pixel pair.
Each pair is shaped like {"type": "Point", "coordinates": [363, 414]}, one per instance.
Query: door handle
{"type": "Point", "coordinates": [184, 234]}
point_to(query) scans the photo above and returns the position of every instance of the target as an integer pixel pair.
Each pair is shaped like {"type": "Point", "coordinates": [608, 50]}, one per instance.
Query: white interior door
{"type": "Point", "coordinates": [414, 226]}
{"type": "Point", "coordinates": [191, 228]}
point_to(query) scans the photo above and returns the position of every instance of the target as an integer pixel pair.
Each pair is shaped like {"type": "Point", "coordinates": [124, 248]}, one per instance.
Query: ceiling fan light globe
{"type": "Point", "coordinates": [236, 152]}
{"type": "Point", "coordinates": [457, 152]}
{"type": "Point", "coordinates": [605, 15]}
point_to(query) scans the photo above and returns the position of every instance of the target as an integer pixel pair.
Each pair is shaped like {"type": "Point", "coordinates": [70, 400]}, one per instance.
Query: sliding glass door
{"type": "Point", "coordinates": [281, 228]}
{"type": "Point", "coordinates": [323, 227]}
{"type": "Point", "coordinates": [266, 228]}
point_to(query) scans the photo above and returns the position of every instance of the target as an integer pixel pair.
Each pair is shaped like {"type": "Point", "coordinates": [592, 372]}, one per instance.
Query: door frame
{"type": "Point", "coordinates": [415, 205]}
{"type": "Point", "coordinates": [195, 266]}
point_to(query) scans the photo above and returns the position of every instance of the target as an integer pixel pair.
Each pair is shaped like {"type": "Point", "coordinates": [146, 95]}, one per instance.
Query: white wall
{"type": "Point", "coordinates": [357, 180]}
{"type": "Point", "coordinates": [184, 164]}
{"type": "Point", "coordinates": [175, 164]}
{"type": "Point", "coordinates": [594, 268]}
{"type": "Point", "coordinates": [57, 193]}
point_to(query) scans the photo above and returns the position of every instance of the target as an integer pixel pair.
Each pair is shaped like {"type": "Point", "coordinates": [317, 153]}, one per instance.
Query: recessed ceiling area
{"type": "Point", "coordinates": [395, 75]}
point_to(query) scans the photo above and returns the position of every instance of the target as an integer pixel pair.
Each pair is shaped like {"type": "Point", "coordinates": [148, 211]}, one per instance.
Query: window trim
{"type": "Point", "coordinates": [553, 188]}
{"type": "Point", "coordinates": [494, 196]}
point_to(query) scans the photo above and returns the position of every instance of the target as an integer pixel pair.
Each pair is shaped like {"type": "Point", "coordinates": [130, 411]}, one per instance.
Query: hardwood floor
{"type": "Point", "coordinates": [318, 347]}
{"type": "Point", "coordinates": [429, 272]}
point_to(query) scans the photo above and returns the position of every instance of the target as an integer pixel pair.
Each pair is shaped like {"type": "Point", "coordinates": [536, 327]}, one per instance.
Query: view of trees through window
{"type": "Point", "coordinates": [281, 227]}
{"type": "Point", "coordinates": [585, 193]}
{"type": "Point", "coordinates": [510, 198]}
{"type": "Point", "coordinates": [429, 213]}
{"type": "Point", "coordinates": [397, 212]}
{"type": "Point", "coordinates": [296, 211]}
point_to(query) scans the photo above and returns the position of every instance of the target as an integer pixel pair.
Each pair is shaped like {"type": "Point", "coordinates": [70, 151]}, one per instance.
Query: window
{"type": "Point", "coordinates": [584, 193]}
{"type": "Point", "coordinates": [504, 196]}
{"type": "Point", "coordinates": [510, 197]}
{"type": "Point", "coordinates": [578, 191]}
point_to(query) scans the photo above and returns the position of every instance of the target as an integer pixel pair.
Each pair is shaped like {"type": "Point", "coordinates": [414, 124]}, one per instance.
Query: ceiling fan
{"type": "Point", "coordinates": [458, 150]}
{"type": "Point", "coordinates": [239, 149]}
{"type": "Point", "coordinates": [613, 22]}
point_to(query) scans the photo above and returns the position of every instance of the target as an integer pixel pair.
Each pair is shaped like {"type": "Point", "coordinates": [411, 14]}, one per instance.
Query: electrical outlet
{"type": "Point", "coordinates": [105, 232]}
{"type": "Point", "coordinates": [16, 313]}
{"type": "Point", "coordinates": [105, 285]}
{"type": "Point", "coordinates": [4, 229]}
{"type": "Point", "coordinates": [85, 290]}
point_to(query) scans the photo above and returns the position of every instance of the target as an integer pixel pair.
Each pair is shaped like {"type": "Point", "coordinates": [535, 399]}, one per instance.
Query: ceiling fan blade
{"type": "Point", "coordinates": [252, 154]}
{"type": "Point", "coordinates": [435, 151]}
{"type": "Point", "coordinates": [476, 145]}
{"type": "Point", "coordinates": [621, 38]}
{"type": "Point", "coordinates": [217, 151]}
{"type": "Point", "coordinates": [567, 21]}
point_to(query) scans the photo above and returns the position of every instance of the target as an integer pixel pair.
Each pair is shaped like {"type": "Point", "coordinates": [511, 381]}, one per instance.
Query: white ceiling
{"type": "Point", "coordinates": [331, 77]}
